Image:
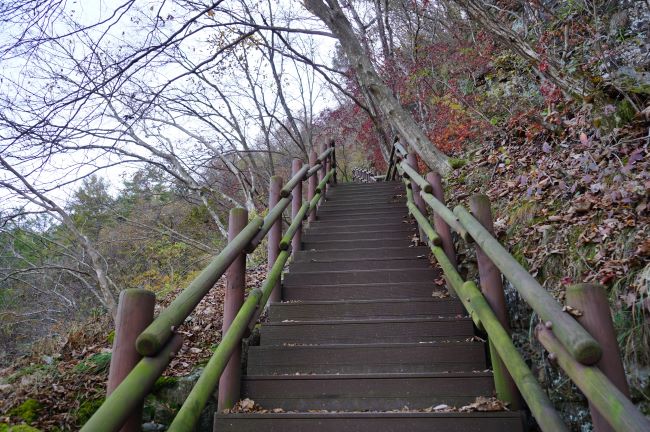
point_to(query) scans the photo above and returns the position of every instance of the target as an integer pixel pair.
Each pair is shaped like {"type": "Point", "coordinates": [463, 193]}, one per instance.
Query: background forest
{"type": "Point", "coordinates": [129, 129]}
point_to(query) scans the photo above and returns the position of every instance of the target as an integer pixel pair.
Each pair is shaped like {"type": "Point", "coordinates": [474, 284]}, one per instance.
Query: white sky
{"type": "Point", "coordinates": [120, 37]}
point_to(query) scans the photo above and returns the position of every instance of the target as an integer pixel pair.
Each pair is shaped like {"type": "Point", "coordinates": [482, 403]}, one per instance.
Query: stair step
{"type": "Point", "coordinates": [366, 186]}
{"type": "Point", "coordinates": [351, 265]}
{"type": "Point", "coordinates": [360, 291]}
{"type": "Point", "coordinates": [383, 199]}
{"type": "Point", "coordinates": [367, 331]}
{"type": "Point", "coordinates": [511, 421]}
{"type": "Point", "coordinates": [365, 220]}
{"type": "Point", "coordinates": [334, 229]}
{"type": "Point", "coordinates": [399, 225]}
{"type": "Point", "coordinates": [361, 277]}
{"type": "Point", "coordinates": [357, 244]}
{"type": "Point", "coordinates": [366, 392]}
{"type": "Point", "coordinates": [367, 358]}
{"type": "Point", "coordinates": [354, 206]}
{"type": "Point", "coordinates": [364, 235]}
{"type": "Point", "coordinates": [362, 253]}
{"type": "Point", "coordinates": [365, 213]}
{"type": "Point", "coordinates": [365, 309]}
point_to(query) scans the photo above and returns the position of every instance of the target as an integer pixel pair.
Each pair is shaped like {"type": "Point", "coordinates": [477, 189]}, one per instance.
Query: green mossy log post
{"type": "Point", "coordinates": [442, 228]}
{"type": "Point", "coordinates": [275, 233]}
{"type": "Point", "coordinates": [134, 314]}
{"type": "Point", "coordinates": [485, 319]}
{"type": "Point", "coordinates": [411, 173]}
{"type": "Point", "coordinates": [297, 177]}
{"type": "Point", "coordinates": [423, 224]}
{"type": "Point", "coordinates": [602, 394]}
{"type": "Point", "coordinates": [158, 333]}
{"type": "Point", "coordinates": [297, 205]}
{"type": "Point", "coordinates": [130, 394]}
{"type": "Point", "coordinates": [189, 413]}
{"type": "Point", "coordinates": [582, 346]}
{"type": "Point", "coordinates": [596, 318]}
{"type": "Point", "coordinates": [230, 381]}
{"type": "Point", "coordinates": [312, 182]}
{"type": "Point", "coordinates": [293, 231]}
{"type": "Point", "coordinates": [272, 217]}
{"type": "Point", "coordinates": [492, 289]}
{"type": "Point", "coordinates": [411, 166]}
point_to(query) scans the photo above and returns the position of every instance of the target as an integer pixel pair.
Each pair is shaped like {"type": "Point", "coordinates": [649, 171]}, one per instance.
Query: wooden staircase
{"type": "Point", "coordinates": [361, 343]}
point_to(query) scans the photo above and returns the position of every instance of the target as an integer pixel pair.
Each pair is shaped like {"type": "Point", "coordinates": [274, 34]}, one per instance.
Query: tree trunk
{"type": "Point", "coordinates": [332, 15]}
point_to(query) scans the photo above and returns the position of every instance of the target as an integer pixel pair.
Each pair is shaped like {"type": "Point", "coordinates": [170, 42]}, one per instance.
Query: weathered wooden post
{"type": "Point", "coordinates": [492, 288]}
{"type": "Point", "coordinates": [275, 234]}
{"type": "Point", "coordinates": [321, 174]}
{"type": "Point", "coordinates": [439, 223]}
{"type": "Point", "coordinates": [230, 381]}
{"type": "Point", "coordinates": [296, 203]}
{"type": "Point", "coordinates": [591, 301]}
{"type": "Point", "coordinates": [134, 314]}
{"type": "Point", "coordinates": [312, 183]}
{"type": "Point", "coordinates": [333, 156]}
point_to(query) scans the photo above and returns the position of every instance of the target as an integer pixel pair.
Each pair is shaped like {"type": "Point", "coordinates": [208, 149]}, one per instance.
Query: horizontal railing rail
{"type": "Point", "coordinates": [571, 345]}
{"type": "Point", "coordinates": [159, 342]}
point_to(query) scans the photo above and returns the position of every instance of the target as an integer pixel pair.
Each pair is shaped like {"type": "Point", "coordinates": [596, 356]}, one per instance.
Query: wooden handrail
{"type": "Point", "coordinates": [158, 342]}
{"type": "Point", "coordinates": [575, 349]}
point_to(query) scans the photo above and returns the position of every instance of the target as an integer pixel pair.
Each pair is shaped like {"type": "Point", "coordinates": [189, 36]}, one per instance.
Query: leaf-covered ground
{"type": "Point", "coordinates": [60, 389]}
{"type": "Point", "coordinates": [572, 206]}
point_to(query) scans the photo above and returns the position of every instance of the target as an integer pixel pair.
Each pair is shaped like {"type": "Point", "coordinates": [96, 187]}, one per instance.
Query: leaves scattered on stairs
{"type": "Point", "coordinates": [481, 404]}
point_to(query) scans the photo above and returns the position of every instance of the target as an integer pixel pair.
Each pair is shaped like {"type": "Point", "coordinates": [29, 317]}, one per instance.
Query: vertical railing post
{"type": "Point", "coordinates": [591, 301]}
{"type": "Point", "coordinates": [333, 145]}
{"type": "Point", "coordinates": [439, 224]}
{"type": "Point", "coordinates": [275, 234]}
{"type": "Point", "coordinates": [230, 381]}
{"type": "Point", "coordinates": [134, 314]}
{"type": "Point", "coordinates": [312, 183]}
{"type": "Point", "coordinates": [492, 288]}
{"type": "Point", "coordinates": [321, 173]}
{"type": "Point", "coordinates": [296, 203]}
{"type": "Point", "coordinates": [327, 163]}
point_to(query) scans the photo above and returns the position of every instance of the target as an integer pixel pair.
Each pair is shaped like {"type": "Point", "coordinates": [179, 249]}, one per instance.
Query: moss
{"type": "Point", "coordinates": [164, 382]}
{"type": "Point", "coordinates": [457, 163]}
{"type": "Point", "coordinates": [87, 409]}
{"type": "Point", "coordinates": [94, 364]}
{"type": "Point", "coordinates": [111, 337]}
{"type": "Point", "coordinates": [27, 411]}
{"type": "Point", "coordinates": [4, 427]}
{"type": "Point", "coordinates": [624, 112]}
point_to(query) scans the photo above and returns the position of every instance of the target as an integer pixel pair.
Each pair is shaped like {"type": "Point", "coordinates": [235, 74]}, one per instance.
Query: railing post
{"type": "Point", "coordinates": [439, 224]}
{"type": "Point", "coordinates": [333, 156]}
{"type": "Point", "coordinates": [311, 185]}
{"type": "Point", "coordinates": [275, 234]}
{"type": "Point", "coordinates": [492, 288]}
{"type": "Point", "coordinates": [230, 381]}
{"type": "Point", "coordinates": [134, 314]}
{"type": "Point", "coordinates": [296, 203]}
{"type": "Point", "coordinates": [591, 301]}
{"type": "Point", "coordinates": [321, 174]}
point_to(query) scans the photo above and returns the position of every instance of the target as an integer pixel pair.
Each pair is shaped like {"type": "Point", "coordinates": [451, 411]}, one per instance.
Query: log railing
{"type": "Point", "coordinates": [585, 348]}
{"type": "Point", "coordinates": [143, 348]}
